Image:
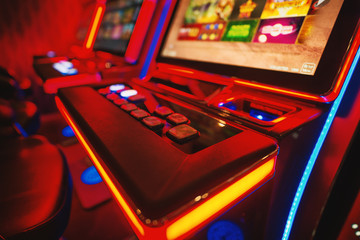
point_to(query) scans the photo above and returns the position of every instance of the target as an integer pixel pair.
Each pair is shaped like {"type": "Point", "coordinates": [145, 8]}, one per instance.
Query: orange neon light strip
{"type": "Point", "coordinates": [101, 170]}
{"type": "Point", "coordinates": [352, 52]}
{"type": "Point", "coordinates": [278, 119]}
{"type": "Point", "coordinates": [219, 201]}
{"type": "Point", "coordinates": [334, 93]}
{"type": "Point", "coordinates": [94, 27]}
{"type": "Point", "coordinates": [279, 90]}
{"type": "Point", "coordinates": [181, 70]}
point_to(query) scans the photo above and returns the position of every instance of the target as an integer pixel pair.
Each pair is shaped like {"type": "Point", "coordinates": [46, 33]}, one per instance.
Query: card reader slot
{"type": "Point", "coordinates": [260, 112]}
{"type": "Point", "coordinates": [263, 111]}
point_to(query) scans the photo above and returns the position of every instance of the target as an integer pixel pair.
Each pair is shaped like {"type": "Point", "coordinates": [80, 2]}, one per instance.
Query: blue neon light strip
{"type": "Point", "coordinates": [155, 40]}
{"type": "Point", "coordinates": [21, 129]}
{"type": "Point", "coordinates": [316, 150]}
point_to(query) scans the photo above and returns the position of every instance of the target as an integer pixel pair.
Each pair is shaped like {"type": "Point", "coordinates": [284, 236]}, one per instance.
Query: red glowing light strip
{"type": "Point", "coordinates": [94, 26]}
{"type": "Point", "coordinates": [195, 74]}
{"type": "Point", "coordinates": [195, 218]}
{"type": "Point", "coordinates": [120, 199]}
{"type": "Point", "coordinates": [200, 75]}
{"type": "Point", "coordinates": [331, 96]}
{"type": "Point", "coordinates": [280, 90]}
{"type": "Point", "coordinates": [347, 64]}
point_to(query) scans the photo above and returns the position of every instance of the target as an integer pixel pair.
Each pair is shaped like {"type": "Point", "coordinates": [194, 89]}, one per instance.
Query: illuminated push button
{"type": "Point", "coordinates": [128, 93]}
{"type": "Point", "coordinates": [139, 114]}
{"type": "Point", "coordinates": [120, 101]}
{"type": "Point", "coordinates": [67, 64]}
{"type": "Point", "coordinates": [177, 119]}
{"type": "Point", "coordinates": [65, 68]}
{"type": "Point", "coordinates": [225, 230]}
{"type": "Point", "coordinates": [112, 96]}
{"type": "Point", "coordinates": [72, 71]}
{"type": "Point", "coordinates": [90, 176]}
{"type": "Point", "coordinates": [116, 87]}
{"type": "Point", "coordinates": [128, 107]}
{"type": "Point", "coordinates": [68, 132]}
{"type": "Point", "coordinates": [182, 133]}
{"type": "Point", "coordinates": [137, 98]}
{"type": "Point", "coordinates": [104, 91]}
{"type": "Point", "coordinates": [163, 112]}
{"type": "Point", "coordinates": [153, 123]}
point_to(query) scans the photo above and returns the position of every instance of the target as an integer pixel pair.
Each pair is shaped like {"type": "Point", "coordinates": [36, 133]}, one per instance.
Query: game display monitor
{"type": "Point", "coordinates": [294, 43]}
{"type": "Point", "coordinates": [119, 24]}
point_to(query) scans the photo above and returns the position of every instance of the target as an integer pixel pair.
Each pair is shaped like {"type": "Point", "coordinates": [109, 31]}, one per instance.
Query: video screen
{"type": "Point", "coordinates": [117, 25]}
{"type": "Point", "coordinates": [280, 35]}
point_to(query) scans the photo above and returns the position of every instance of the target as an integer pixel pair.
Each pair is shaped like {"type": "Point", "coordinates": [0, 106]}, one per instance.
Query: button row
{"type": "Point", "coordinates": [127, 98]}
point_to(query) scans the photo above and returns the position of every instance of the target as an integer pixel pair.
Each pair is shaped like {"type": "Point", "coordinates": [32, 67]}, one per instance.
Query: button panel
{"type": "Point", "coordinates": [175, 125]}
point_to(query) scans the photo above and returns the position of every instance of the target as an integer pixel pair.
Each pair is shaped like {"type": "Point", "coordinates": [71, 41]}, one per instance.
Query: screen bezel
{"type": "Point", "coordinates": [320, 83]}
{"type": "Point", "coordinates": [114, 52]}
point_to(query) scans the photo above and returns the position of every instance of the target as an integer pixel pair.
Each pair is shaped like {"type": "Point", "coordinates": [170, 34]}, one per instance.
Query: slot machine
{"type": "Point", "coordinates": [225, 137]}
{"type": "Point", "coordinates": [113, 45]}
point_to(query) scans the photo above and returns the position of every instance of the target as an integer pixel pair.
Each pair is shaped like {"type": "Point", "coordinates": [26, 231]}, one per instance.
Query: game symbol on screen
{"type": "Point", "coordinates": [289, 8]}
{"type": "Point", "coordinates": [279, 30]}
{"type": "Point", "coordinates": [247, 9]}
{"type": "Point", "coordinates": [240, 31]}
